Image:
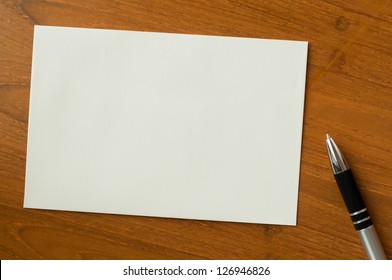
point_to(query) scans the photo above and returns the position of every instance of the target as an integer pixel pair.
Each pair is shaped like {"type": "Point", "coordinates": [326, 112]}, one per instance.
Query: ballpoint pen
{"type": "Point", "coordinates": [354, 202]}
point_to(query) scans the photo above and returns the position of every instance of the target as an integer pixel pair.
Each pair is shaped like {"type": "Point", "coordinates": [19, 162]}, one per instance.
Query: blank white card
{"type": "Point", "coordinates": [166, 125]}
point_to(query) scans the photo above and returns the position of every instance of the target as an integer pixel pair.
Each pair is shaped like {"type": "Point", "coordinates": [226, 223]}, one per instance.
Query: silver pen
{"type": "Point", "coordinates": [354, 203]}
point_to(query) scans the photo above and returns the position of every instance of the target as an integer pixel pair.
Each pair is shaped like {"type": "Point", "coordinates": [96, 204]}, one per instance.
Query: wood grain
{"type": "Point", "coordinates": [348, 94]}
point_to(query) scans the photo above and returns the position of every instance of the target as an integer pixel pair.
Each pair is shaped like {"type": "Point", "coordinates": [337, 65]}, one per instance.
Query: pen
{"type": "Point", "coordinates": [354, 203]}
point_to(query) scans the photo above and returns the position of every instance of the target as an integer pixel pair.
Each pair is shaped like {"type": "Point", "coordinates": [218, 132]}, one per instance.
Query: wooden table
{"type": "Point", "coordinates": [348, 94]}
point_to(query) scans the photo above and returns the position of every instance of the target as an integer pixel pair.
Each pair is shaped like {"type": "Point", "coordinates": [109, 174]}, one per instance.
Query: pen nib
{"type": "Point", "coordinates": [338, 162]}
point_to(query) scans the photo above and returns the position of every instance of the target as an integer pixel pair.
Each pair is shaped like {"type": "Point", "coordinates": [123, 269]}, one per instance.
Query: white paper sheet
{"type": "Point", "coordinates": [168, 125]}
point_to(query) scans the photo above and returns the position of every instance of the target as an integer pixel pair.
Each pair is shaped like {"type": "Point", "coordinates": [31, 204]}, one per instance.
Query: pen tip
{"type": "Point", "coordinates": [328, 137]}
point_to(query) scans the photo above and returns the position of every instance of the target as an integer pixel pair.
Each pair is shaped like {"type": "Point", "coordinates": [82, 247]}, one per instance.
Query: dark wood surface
{"type": "Point", "coordinates": [348, 94]}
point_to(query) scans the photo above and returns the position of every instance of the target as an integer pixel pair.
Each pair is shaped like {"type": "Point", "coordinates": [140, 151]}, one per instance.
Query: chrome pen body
{"type": "Point", "coordinates": [354, 202]}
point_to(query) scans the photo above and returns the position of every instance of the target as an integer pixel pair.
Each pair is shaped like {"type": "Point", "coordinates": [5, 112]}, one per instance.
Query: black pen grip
{"type": "Point", "coordinates": [353, 199]}
{"type": "Point", "coordinates": [350, 192]}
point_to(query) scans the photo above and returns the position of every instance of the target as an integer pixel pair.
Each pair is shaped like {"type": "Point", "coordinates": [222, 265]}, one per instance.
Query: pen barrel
{"type": "Point", "coordinates": [372, 244]}
{"type": "Point", "coordinates": [353, 200]}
